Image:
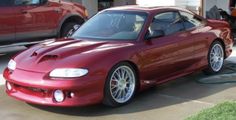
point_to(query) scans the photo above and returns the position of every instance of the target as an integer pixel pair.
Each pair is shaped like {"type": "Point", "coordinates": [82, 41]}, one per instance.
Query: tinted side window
{"type": "Point", "coordinates": [168, 22]}
{"type": "Point", "coordinates": [190, 21]}
{"type": "Point", "coordinates": [5, 3]}
{"type": "Point", "coordinates": [27, 2]}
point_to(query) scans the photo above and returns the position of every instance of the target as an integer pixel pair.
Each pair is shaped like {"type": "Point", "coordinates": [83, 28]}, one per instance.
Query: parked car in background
{"type": "Point", "coordinates": [117, 53]}
{"type": "Point", "coordinates": [35, 20]}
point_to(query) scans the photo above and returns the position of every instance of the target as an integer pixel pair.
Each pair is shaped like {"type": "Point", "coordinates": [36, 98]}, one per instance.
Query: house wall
{"type": "Point", "coordinates": [184, 3]}
{"type": "Point", "coordinates": [193, 5]}
{"type": "Point", "coordinates": [91, 6]}
{"type": "Point", "coordinates": [124, 2]}
{"type": "Point", "coordinates": [156, 2]}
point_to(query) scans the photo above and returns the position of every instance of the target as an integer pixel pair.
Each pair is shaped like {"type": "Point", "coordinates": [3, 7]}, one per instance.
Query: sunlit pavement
{"type": "Point", "coordinates": [172, 101]}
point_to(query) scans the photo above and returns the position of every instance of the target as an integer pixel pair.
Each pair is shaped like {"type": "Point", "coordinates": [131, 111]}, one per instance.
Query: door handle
{"type": "Point", "coordinates": [57, 10]}
{"type": "Point", "coordinates": [24, 12]}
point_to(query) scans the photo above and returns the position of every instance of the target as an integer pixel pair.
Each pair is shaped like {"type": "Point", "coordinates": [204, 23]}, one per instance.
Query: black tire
{"type": "Point", "coordinates": [210, 70]}
{"type": "Point", "coordinates": [69, 28]}
{"type": "Point", "coordinates": [109, 100]}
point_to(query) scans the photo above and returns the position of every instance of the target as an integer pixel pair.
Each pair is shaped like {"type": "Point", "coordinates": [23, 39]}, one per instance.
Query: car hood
{"type": "Point", "coordinates": [63, 54]}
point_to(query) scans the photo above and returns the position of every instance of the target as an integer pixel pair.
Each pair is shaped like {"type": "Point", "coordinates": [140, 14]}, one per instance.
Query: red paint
{"type": "Point", "coordinates": [21, 23]}
{"type": "Point", "coordinates": [157, 60]}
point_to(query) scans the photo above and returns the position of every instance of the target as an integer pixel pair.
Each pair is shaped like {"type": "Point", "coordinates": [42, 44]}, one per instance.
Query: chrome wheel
{"type": "Point", "coordinates": [122, 84]}
{"type": "Point", "coordinates": [216, 57]}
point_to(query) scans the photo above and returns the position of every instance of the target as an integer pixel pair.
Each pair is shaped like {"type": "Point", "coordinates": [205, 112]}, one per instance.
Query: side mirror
{"type": "Point", "coordinates": [155, 34]}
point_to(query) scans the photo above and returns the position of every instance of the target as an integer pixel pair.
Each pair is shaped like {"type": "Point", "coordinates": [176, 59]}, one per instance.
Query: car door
{"type": "Point", "coordinates": [196, 40]}
{"type": "Point", "coordinates": [7, 21]}
{"type": "Point", "coordinates": [35, 19]}
{"type": "Point", "coordinates": [162, 54]}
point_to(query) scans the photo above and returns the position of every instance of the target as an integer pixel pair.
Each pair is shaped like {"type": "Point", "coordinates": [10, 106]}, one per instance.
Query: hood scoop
{"type": "Point", "coordinates": [34, 54]}
{"type": "Point", "coordinates": [48, 57]}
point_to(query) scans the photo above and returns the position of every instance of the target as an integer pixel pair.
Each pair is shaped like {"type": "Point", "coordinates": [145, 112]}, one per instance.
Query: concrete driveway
{"type": "Point", "coordinates": [175, 100]}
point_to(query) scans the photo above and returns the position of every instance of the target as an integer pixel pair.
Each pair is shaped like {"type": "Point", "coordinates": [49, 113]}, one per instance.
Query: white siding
{"type": "Point", "coordinates": [124, 2]}
{"type": "Point", "coordinates": [192, 5]}
{"type": "Point", "coordinates": [156, 2]}
{"type": "Point", "coordinates": [181, 3]}
{"type": "Point", "coordinates": [184, 3]}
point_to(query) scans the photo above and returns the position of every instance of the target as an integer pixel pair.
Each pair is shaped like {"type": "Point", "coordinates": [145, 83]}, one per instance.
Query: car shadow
{"type": "Point", "coordinates": [178, 91]}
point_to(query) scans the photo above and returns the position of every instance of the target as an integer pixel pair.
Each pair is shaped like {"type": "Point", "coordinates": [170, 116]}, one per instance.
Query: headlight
{"type": "Point", "coordinates": [11, 65]}
{"type": "Point", "coordinates": [68, 72]}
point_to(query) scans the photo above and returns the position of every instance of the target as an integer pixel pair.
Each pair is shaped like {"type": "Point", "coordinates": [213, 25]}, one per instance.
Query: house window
{"type": "Point", "coordinates": [103, 4]}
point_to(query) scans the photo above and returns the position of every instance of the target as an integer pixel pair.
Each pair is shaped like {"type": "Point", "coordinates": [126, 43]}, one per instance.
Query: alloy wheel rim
{"type": "Point", "coordinates": [216, 57]}
{"type": "Point", "coordinates": [122, 84]}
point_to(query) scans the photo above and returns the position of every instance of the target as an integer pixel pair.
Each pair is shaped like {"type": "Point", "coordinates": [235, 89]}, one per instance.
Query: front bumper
{"type": "Point", "coordinates": [34, 87]}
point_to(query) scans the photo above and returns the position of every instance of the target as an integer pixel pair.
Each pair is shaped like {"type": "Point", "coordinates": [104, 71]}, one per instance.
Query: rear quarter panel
{"type": "Point", "coordinates": [222, 31]}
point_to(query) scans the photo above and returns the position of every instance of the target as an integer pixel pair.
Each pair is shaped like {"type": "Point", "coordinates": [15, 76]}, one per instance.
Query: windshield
{"type": "Point", "coordinates": [112, 25]}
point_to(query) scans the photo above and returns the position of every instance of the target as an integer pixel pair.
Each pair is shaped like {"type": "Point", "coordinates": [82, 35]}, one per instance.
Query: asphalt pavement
{"type": "Point", "coordinates": [174, 100]}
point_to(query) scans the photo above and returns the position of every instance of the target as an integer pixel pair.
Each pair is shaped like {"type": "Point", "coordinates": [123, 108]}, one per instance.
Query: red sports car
{"type": "Point", "coordinates": [117, 53]}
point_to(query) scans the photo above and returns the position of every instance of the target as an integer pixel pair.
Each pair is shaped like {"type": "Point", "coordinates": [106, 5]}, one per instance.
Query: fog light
{"type": "Point", "coordinates": [59, 95]}
{"type": "Point", "coordinates": [72, 94]}
{"type": "Point", "coordinates": [9, 87]}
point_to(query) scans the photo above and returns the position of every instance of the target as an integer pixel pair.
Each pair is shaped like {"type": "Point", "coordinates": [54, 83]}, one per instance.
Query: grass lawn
{"type": "Point", "coordinates": [223, 111]}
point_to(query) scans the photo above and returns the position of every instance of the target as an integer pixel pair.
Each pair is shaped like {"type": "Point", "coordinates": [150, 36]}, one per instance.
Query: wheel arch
{"type": "Point", "coordinates": [67, 19]}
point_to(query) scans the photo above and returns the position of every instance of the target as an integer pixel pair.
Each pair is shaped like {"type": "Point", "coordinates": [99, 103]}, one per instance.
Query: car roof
{"type": "Point", "coordinates": [146, 8]}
